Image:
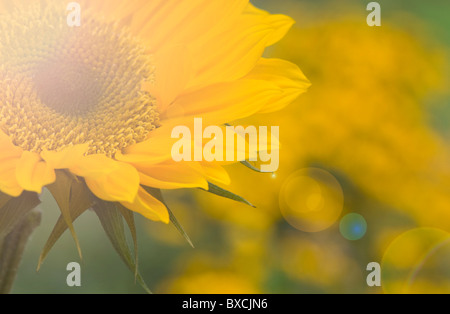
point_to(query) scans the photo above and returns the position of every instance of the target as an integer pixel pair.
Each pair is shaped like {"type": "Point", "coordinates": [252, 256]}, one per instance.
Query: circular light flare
{"type": "Point", "coordinates": [417, 262]}
{"type": "Point", "coordinates": [311, 200]}
{"type": "Point", "coordinates": [353, 227]}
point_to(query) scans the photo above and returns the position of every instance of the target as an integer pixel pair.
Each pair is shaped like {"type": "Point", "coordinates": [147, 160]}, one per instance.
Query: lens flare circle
{"type": "Point", "coordinates": [417, 262]}
{"type": "Point", "coordinates": [353, 227]}
{"type": "Point", "coordinates": [311, 200]}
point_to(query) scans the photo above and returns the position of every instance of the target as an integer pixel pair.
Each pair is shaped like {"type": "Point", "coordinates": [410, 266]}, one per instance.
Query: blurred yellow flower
{"type": "Point", "coordinates": [365, 121]}
{"type": "Point", "coordinates": [369, 120]}
{"type": "Point", "coordinates": [213, 283]}
{"type": "Point", "coordinates": [417, 262]}
{"type": "Point", "coordinates": [318, 262]}
{"type": "Point", "coordinates": [364, 118]}
{"type": "Point", "coordinates": [206, 274]}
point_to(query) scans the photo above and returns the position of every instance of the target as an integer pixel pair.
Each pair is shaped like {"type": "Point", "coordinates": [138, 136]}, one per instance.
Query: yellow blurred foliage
{"type": "Point", "coordinates": [365, 118]}
{"type": "Point", "coordinates": [417, 262]}
{"type": "Point", "coordinates": [204, 274]}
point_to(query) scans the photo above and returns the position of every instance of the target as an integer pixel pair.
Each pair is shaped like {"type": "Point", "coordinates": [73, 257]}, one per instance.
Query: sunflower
{"type": "Point", "coordinates": [87, 111]}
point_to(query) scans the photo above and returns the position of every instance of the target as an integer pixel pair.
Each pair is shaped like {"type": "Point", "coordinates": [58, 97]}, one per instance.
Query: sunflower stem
{"type": "Point", "coordinates": [12, 247]}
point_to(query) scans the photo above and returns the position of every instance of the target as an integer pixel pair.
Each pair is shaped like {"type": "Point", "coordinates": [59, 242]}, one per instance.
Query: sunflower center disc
{"type": "Point", "coordinates": [67, 87]}
{"type": "Point", "coordinates": [62, 86]}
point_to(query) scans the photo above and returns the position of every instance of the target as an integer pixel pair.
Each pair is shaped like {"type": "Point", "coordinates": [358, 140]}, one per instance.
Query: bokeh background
{"type": "Point", "coordinates": [364, 176]}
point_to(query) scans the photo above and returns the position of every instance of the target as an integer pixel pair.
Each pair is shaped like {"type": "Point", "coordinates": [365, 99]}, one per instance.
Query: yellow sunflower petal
{"type": "Point", "coordinates": [152, 151]}
{"type": "Point", "coordinates": [8, 181]}
{"type": "Point", "coordinates": [173, 175]}
{"type": "Point", "coordinates": [223, 103]}
{"type": "Point", "coordinates": [65, 158]}
{"type": "Point", "coordinates": [108, 179]}
{"type": "Point", "coordinates": [33, 173]}
{"type": "Point", "coordinates": [171, 22]}
{"type": "Point", "coordinates": [173, 72]}
{"type": "Point", "coordinates": [215, 172]}
{"type": "Point", "coordinates": [234, 53]}
{"type": "Point", "coordinates": [148, 206]}
{"type": "Point", "coordinates": [281, 23]}
{"type": "Point", "coordinates": [270, 86]}
{"type": "Point", "coordinates": [286, 76]}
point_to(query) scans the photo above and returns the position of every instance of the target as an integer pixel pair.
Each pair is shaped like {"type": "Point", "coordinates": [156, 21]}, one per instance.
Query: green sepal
{"type": "Point", "coordinates": [252, 167]}
{"type": "Point", "coordinates": [12, 247]}
{"type": "Point", "coordinates": [173, 219]}
{"type": "Point", "coordinates": [248, 163]}
{"type": "Point", "coordinates": [128, 215]}
{"type": "Point", "coordinates": [73, 198]}
{"type": "Point", "coordinates": [217, 190]}
{"type": "Point", "coordinates": [14, 209]}
{"type": "Point", "coordinates": [112, 222]}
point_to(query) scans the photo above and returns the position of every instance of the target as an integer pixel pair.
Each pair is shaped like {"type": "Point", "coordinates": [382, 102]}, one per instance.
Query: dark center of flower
{"type": "Point", "coordinates": [67, 87]}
